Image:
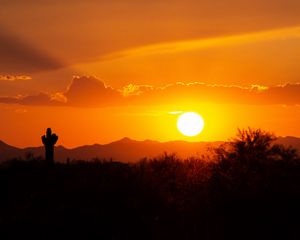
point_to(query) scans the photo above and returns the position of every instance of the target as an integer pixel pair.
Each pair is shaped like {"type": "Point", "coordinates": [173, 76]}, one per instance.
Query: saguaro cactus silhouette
{"type": "Point", "coordinates": [49, 141]}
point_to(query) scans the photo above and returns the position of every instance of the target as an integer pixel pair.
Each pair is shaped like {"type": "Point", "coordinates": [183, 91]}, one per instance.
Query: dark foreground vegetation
{"type": "Point", "coordinates": [249, 190]}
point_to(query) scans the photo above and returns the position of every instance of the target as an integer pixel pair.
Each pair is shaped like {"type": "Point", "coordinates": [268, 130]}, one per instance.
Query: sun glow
{"type": "Point", "coordinates": [190, 124]}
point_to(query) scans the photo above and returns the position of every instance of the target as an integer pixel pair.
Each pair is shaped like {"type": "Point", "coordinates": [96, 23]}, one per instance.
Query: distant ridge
{"type": "Point", "coordinates": [127, 150]}
{"type": "Point", "coordinates": [290, 141]}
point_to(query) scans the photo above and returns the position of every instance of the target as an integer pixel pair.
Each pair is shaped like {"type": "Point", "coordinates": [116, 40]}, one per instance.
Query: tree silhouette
{"type": "Point", "coordinates": [252, 145]}
{"type": "Point", "coordinates": [49, 140]}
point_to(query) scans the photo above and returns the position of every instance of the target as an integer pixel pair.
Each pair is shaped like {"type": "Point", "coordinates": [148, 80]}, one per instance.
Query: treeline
{"type": "Point", "coordinates": [250, 189]}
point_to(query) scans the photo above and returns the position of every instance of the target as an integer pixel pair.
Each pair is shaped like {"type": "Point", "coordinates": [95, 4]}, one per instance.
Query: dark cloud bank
{"type": "Point", "coordinates": [91, 92]}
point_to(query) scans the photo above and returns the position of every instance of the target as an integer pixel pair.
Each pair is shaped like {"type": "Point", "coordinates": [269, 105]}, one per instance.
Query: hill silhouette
{"type": "Point", "coordinates": [125, 150]}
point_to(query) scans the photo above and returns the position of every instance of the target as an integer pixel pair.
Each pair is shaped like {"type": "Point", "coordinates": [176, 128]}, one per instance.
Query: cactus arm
{"type": "Point", "coordinates": [54, 138]}
{"type": "Point", "coordinates": [44, 140]}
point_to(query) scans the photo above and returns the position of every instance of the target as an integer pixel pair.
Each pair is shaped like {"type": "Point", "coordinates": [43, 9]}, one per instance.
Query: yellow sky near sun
{"type": "Point", "coordinates": [79, 126]}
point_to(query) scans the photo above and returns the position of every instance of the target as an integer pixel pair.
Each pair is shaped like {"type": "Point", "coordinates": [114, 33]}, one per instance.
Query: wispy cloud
{"type": "Point", "coordinates": [18, 56]}
{"type": "Point", "coordinates": [197, 44]}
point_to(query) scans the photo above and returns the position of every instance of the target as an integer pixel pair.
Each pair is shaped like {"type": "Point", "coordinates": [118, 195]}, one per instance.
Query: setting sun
{"type": "Point", "coordinates": [190, 124]}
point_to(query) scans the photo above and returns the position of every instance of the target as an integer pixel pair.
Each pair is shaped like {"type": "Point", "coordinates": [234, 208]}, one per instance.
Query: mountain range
{"type": "Point", "coordinates": [126, 150]}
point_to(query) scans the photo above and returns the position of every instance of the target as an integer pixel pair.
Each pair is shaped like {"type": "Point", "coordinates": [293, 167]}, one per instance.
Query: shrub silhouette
{"type": "Point", "coordinates": [49, 140]}
{"type": "Point", "coordinates": [251, 145]}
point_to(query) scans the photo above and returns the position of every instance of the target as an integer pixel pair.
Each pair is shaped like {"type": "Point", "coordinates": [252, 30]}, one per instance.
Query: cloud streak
{"type": "Point", "coordinates": [198, 44]}
{"type": "Point", "coordinates": [19, 57]}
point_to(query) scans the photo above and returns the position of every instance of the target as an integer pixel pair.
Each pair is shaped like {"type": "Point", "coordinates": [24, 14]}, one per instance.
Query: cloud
{"type": "Point", "coordinates": [132, 90]}
{"type": "Point", "coordinates": [58, 97]}
{"type": "Point", "coordinates": [19, 57]}
{"type": "Point", "coordinates": [288, 94]}
{"type": "Point", "coordinates": [9, 100]}
{"type": "Point", "coordinates": [204, 43]}
{"type": "Point", "coordinates": [41, 99]}
{"type": "Point", "coordinates": [88, 91]}
{"type": "Point", "coordinates": [181, 93]}
{"type": "Point", "coordinates": [14, 77]}
{"type": "Point", "coordinates": [82, 92]}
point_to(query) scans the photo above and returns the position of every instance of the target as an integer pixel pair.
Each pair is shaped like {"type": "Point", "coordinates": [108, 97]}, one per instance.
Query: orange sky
{"type": "Point", "coordinates": [234, 62]}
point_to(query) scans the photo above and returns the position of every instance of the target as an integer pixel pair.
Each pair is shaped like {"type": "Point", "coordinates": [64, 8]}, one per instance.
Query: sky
{"type": "Point", "coordinates": [97, 71]}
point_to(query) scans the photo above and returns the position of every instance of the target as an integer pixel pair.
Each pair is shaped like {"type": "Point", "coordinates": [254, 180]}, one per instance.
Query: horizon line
{"type": "Point", "coordinates": [133, 140]}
